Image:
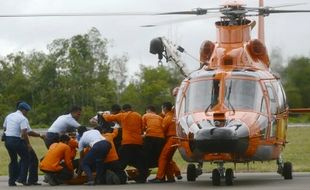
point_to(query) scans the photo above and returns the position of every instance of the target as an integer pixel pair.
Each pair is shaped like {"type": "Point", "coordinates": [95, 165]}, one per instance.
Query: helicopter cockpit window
{"type": "Point", "coordinates": [244, 94]}
{"type": "Point", "coordinates": [202, 94]}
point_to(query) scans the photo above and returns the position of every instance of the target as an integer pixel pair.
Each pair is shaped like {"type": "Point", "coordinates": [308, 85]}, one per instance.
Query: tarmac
{"type": "Point", "coordinates": [255, 181]}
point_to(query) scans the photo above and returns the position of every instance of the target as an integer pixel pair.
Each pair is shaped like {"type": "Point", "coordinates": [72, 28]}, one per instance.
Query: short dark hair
{"type": "Point", "coordinates": [81, 130]}
{"type": "Point", "coordinates": [75, 109]}
{"type": "Point", "coordinates": [115, 108]}
{"type": "Point", "coordinates": [127, 107]}
{"type": "Point", "coordinates": [151, 108]}
{"type": "Point", "coordinates": [71, 129]}
{"type": "Point", "coordinates": [64, 138]}
{"type": "Point", "coordinates": [167, 105]}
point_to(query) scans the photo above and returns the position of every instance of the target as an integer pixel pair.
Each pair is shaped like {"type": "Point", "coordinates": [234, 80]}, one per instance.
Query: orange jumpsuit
{"type": "Point", "coordinates": [74, 144]}
{"type": "Point", "coordinates": [131, 152]}
{"type": "Point", "coordinates": [176, 169]}
{"type": "Point", "coordinates": [131, 124]}
{"type": "Point", "coordinates": [55, 154]}
{"type": "Point", "coordinates": [112, 155]}
{"type": "Point", "coordinates": [154, 138]}
{"type": "Point", "coordinates": [165, 166]}
{"type": "Point", "coordinates": [152, 124]}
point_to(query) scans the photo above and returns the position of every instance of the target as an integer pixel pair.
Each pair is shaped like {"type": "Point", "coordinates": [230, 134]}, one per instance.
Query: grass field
{"type": "Point", "coordinates": [297, 151]}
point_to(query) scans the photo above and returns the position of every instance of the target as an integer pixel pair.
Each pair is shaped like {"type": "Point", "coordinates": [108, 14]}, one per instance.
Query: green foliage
{"type": "Point", "coordinates": [74, 72]}
{"type": "Point", "coordinates": [154, 87]}
{"type": "Point", "coordinates": [297, 77]}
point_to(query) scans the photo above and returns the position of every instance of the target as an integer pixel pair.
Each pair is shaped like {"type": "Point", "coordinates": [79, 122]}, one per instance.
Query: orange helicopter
{"type": "Point", "coordinates": [233, 108]}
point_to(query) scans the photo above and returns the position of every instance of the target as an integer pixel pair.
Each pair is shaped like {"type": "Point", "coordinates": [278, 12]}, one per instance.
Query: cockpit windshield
{"type": "Point", "coordinates": [239, 94]}
{"type": "Point", "coordinates": [244, 94]}
{"type": "Point", "coordinates": [202, 95]}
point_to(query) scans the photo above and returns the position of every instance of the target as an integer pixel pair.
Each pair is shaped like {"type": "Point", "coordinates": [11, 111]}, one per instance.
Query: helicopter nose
{"type": "Point", "coordinates": [227, 139]}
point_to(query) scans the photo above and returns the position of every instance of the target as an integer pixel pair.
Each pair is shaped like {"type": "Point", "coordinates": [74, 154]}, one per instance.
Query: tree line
{"type": "Point", "coordinates": [78, 71]}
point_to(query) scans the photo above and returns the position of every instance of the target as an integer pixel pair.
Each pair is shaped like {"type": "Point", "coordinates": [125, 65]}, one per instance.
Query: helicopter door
{"type": "Point", "coordinates": [272, 109]}
{"type": "Point", "coordinates": [282, 115]}
{"type": "Point", "coordinates": [277, 107]}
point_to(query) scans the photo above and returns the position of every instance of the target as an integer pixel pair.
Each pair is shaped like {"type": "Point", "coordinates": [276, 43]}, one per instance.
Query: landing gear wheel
{"type": "Point", "coordinates": [229, 176]}
{"type": "Point", "coordinates": [191, 172]}
{"type": "Point", "coordinates": [216, 177]}
{"type": "Point", "coordinates": [287, 170]}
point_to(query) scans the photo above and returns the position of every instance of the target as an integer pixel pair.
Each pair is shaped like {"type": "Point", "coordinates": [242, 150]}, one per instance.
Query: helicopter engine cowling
{"type": "Point", "coordinates": [230, 138]}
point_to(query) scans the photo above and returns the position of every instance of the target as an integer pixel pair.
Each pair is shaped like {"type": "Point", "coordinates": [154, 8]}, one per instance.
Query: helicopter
{"type": "Point", "coordinates": [233, 108]}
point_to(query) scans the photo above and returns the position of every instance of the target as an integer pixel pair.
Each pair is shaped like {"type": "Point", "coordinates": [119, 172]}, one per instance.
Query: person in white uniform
{"type": "Point", "coordinates": [99, 148]}
{"type": "Point", "coordinates": [63, 124]}
{"type": "Point", "coordinates": [17, 143]}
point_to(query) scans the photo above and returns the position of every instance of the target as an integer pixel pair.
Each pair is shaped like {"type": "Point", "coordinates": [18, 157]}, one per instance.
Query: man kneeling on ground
{"type": "Point", "coordinates": [99, 148]}
{"type": "Point", "coordinates": [57, 163]}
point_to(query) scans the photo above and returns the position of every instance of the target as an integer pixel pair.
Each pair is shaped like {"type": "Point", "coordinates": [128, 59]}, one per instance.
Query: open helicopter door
{"type": "Point", "coordinates": [278, 111]}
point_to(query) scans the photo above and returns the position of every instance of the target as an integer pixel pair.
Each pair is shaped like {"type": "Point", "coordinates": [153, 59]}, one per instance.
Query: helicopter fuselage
{"type": "Point", "coordinates": [233, 108]}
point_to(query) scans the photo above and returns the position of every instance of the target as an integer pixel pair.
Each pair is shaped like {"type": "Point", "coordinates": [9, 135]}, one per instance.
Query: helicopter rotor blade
{"type": "Point", "coordinates": [197, 11]}
{"type": "Point", "coordinates": [289, 5]}
{"type": "Point", "coordinates": [266, 12]}
{"type": "Point", "coordinates": [277, 6]}
{"type": "Point", "coordinates": [188, 19]}
{"type": "Point", "coordinates": [289, 11]}
{"type": "Point", "coordinates": [77, 14]}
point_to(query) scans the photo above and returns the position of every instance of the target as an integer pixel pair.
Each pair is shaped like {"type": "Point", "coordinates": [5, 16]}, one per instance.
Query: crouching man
{"type": "Point", "coordinates": [112, 172]}
{"type": "Point", "coordinates": [99, 148]}
{"type": "Point", "coordinates": [57, 163]}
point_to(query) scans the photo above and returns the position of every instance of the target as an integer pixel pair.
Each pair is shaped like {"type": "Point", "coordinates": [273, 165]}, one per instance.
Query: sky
{"type": "Point", "coordinates": [290, 32]}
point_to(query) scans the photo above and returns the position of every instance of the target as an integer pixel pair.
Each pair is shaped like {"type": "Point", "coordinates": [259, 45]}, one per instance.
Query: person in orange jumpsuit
{"type": "Point", "coordinates": [111, 162]}
{"type": "Point", "coordinates": [154, 138]}
{"type": "Point", "coordinates": [52, 165]}
{"type": "Point", "coordinates": [131, 152]}
{"type": "Point", "coordinates": [165, 166]}
{"type": "Point", "coordinates": [73, 144]}
{"type": "Point", "coordinates": [176, 170]}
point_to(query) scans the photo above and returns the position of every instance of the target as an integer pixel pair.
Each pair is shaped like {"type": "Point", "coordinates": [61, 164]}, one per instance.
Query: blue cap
{"type": "Point", "coordinates": [23, 106]}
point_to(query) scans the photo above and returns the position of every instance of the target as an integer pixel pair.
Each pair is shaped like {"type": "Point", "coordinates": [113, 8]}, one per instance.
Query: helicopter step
{"type": "Point", "coordinates": [222, 173]}
{"type": "Point", "coordinates": [193, 172]}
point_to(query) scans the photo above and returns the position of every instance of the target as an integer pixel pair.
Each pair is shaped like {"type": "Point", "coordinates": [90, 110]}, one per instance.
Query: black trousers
{"type": "Point", "coordinates": [152, 147]}
{"type": "Point", "coordinates": [17, 170]}
{"type": "Point", "coordinates": [132, 155]}
{"type": "Point", "coordinates": [96, 155]}
{"type": "Point", "coordinates": [33, 167]}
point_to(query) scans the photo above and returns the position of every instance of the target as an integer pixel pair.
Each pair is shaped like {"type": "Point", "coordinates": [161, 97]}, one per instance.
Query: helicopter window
{"type": "Point", "coordinates": [180, 100]}
{"type": "Point", "coordinates": [272, 99]}
{"type": "Point", "coordinates": [281, 97]}
{"type": "Point", "coordinates": [283, 93]}
{"type": "Point", "coordinates": [273, 129]}
{"type": "Point", "coordinates": [263, 108]}
{"type": "Point", "coordinates": [244, 94]}
{"type": "Point", "coordinates": [199, 97]}
{"type": "Point", "coordinates": [262, 122]}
